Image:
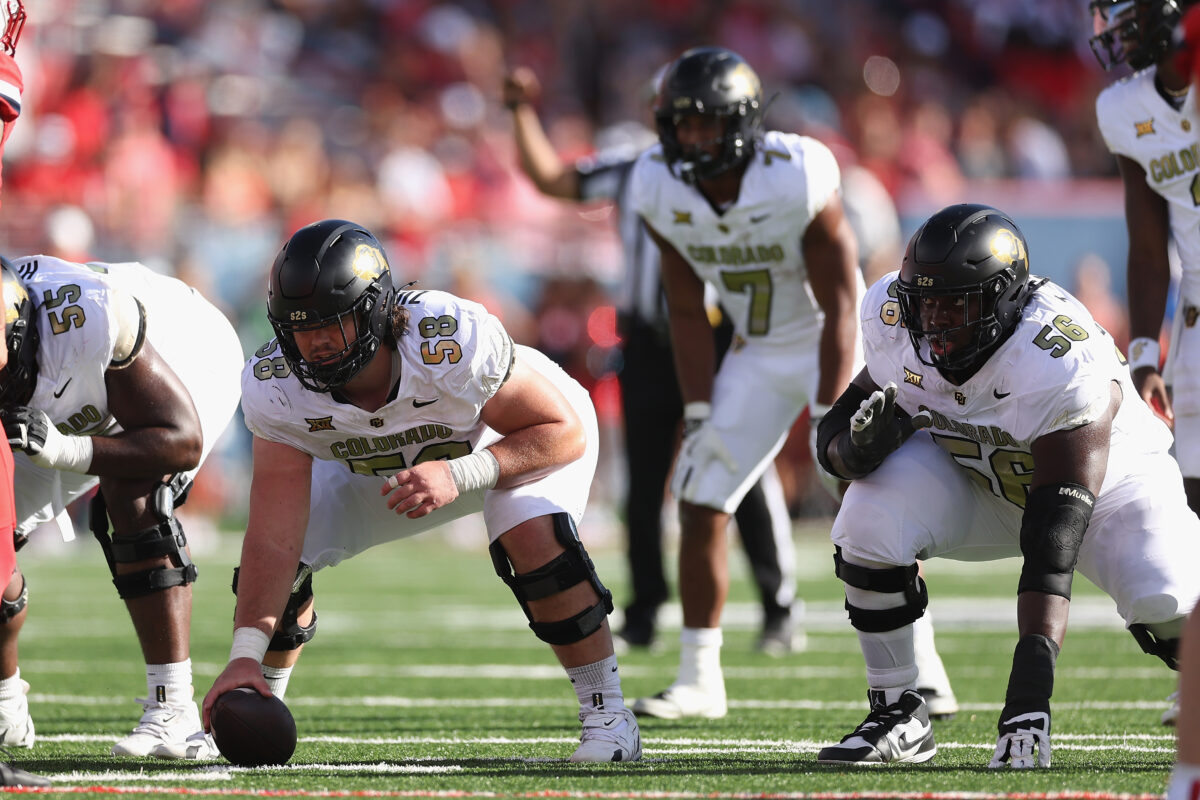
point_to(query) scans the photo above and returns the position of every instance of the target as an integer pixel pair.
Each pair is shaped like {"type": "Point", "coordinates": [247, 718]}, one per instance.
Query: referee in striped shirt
{"type": "Point", "coordinates": [651, 402]}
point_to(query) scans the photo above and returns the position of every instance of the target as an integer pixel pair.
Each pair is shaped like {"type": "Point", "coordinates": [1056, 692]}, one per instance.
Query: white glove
{"type": "Point", "coordinates": [30, 430]}
{"type": "Point", "coordinates": [1019, 737]}
{"type": "Point", "coordinates": [701, 443]}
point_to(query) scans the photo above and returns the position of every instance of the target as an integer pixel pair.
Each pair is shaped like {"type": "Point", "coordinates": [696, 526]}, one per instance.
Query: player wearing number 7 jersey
{"type": "Point", "coordinates": [1035, 444]}
{"type": "Point", "coordinates": [379, 414]}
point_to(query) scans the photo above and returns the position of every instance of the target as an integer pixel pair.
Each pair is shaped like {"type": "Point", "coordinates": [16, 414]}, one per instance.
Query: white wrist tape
{"type": "Point", "coordinates": [1144, 352]}
{"type": "Point", "coordinates": [480, 470]}
{"type": "Point", "coordinates": [70, 453]}
{"type": "Point", "coordinates": [249, 642]}
{"type": "Point", "coordinates": [698, 410]}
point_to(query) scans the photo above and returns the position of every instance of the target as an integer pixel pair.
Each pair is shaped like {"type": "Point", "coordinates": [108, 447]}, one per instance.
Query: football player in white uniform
{"type": "Point", "coordinates": [1035, 435]}
{"type": "Point", "coordinates": [758, 216]}
{"type": "Point", "coordinates": [378, 415]}
{"type": "Point", "coordinates": [122, 378]}
{"type": "Point", "coordinates": [1147, 121]}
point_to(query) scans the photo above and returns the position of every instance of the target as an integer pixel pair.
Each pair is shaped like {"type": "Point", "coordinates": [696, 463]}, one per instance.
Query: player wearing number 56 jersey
{"type": "Point", "coordinates": [380, 414]}
{"type": "Point", "coordinates": [1033, 443]}
{"type": "Point", "coordinates": [122, 378]}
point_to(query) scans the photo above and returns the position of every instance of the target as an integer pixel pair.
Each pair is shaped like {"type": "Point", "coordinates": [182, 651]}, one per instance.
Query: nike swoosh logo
{"type": "Point", "coordinates": [911, 741]}
{"type": "Point", "coordinates": [422, 404]}
{"type": "Point", "coordinates": [58, 394]}
{"type": "Point", "coordinates": [758, 219]}
{"type": "Point", "coordinates": [610, 722]}
{"type": "Point", "coordinates": [1000, 395]}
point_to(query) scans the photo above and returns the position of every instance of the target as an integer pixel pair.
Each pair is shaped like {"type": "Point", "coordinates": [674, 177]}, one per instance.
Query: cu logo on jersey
{"type": "Point", "coordinates": [1007, 247]}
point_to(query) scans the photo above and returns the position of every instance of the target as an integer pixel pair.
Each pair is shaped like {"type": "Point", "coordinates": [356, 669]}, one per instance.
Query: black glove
{"type": "Point", "coordinates": [26, 428]}
{"type": "Point", "coordinates": [876, 429]}
{"type": "Point", "coordinates": [1020, 736]}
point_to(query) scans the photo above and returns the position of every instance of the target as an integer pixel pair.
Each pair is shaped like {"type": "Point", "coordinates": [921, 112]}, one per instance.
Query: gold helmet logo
{"type": "Point", "coordinates": [744, 82]}
{"type": "Point", "coordinates": [368, 262]}
{"type": "Point", "coordinates": [1007, 247]}
{"type": "Point", "coordinates": [16, 295]}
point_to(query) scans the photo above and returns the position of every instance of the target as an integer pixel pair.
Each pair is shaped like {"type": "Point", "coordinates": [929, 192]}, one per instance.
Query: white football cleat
{"type": "Point", "coordinates": [16, 725]}
{"type": "Point", "coordinates": [164, 731]}
{"type": "Point", "coordinates": [1171, 715]}
{"type": "Point", "coordinates": [609, 736]}
{"type": "Point", "coordinates": [679, 700]}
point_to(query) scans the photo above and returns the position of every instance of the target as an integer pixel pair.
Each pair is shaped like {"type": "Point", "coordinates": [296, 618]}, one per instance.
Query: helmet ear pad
{"type": "Point", "coordinates": [332, 272]}
{"type": "Point", "coordinates": [974, 252]}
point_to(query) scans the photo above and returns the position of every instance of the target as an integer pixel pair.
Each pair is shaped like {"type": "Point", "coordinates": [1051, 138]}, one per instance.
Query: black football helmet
{"type": "Point", "coordinates": [975, 253]}
{"type": "Point", "coordinates": [712, 81]}
{"type": "Point", "coordinates": [1134, 32]}
{"type": "Point", "coordinates": [19, 377]}
{"type": "Point", "coordinates": [331, 272]}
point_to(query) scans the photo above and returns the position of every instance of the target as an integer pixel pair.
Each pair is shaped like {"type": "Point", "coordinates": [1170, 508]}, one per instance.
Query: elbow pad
{"type": "Point", "coordinates": [1056, 517]}
{"type": "Point", "coordinates": [836, 420]}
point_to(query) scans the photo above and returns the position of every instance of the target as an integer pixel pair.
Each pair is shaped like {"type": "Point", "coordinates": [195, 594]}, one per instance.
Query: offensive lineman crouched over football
{"type": "Point", "coordinates": [122, 378]}
{"type": "Point", "coordinates": [378, 415]}
{"type": "Point", "coordinates": [1034, 443]}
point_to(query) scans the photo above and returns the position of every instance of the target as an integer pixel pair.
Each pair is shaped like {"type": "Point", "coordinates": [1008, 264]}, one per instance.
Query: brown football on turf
{"type": "Point", "coordinates": [252, 730]}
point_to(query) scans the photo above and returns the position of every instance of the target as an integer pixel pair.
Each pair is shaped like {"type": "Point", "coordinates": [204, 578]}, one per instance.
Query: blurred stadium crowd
{"type": "Point", "coordinates": [196, 135]}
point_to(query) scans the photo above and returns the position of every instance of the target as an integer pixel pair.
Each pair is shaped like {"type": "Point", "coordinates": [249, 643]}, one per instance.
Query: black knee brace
{"type": "Point", "coordinates": [1166, 649]}
{"type": "Point", "coordinates": [573, 566]}
{"type": "Point", "coordinates": [164, 539]}
{"type": "Point", "coordinates": [10, 608]}
{"type": "Point", "coordinates": [289, 633]}
{"type": "Point", "coordinates": [889, 581]}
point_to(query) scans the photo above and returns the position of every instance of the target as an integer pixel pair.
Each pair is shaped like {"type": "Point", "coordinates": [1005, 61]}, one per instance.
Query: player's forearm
{"type": "Point", "coordinates": [836, 355]}
{"type": "Point", "coordinates": [694, 353]}
{"type": "Point", "coordinates": [531, 453]}
{"type": "Point", "coordinates": [1148, 285]}
{"type": "Point", "coordinates": [149, 452]}
{"type": "Point", "coordinates": [537, 155]}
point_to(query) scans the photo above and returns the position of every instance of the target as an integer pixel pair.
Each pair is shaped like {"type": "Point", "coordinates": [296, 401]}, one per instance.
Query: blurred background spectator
{"type": "Point", "coordinates": [196, 135]}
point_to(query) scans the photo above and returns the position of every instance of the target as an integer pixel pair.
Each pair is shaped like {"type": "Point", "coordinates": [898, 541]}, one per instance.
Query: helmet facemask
{"type": "Point", "coordinates": [699, 162]}
{"type": "Point", "coordinates": [360, 341]}
{"type": "Point", "coordinates": [1134, 32]}
{"type": "Point", "coordinates": [966, 343]}
{"type": "Point", "coordinates": [19, 377]}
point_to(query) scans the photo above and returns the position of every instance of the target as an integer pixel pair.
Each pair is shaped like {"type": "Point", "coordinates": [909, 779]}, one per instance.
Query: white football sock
{"type": "Point", "coordinates": [170, 683]}
{"type": "Point", "coordinates": [277, 679]}
{"type": "Point", "coordinates": [700, 658]}
{"type": "Point", "coordinates": [598, 686]}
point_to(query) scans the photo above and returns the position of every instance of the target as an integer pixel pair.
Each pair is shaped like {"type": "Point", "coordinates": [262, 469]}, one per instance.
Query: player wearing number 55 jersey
{"type": "Point", "coordinates": [379, 414]}
{"type": "Point", "coordinates": [1034, 443]}
{"type": "Point", "coordinates": [122, 378]}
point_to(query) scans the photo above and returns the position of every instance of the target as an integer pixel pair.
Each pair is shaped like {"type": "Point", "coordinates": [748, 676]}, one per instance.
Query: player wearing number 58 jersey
{"type": "Point", "coordinates": [380, 414]}
{"type": "Point", "coordinates": [1033, 442]}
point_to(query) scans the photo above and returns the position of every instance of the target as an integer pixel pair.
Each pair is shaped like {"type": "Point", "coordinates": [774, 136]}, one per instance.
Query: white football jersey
{"type": "Point", "coordinates": [79, 308]}
{"type": "Point", "coordinates": [751, 251]}
{"type": "Point", "coordinates": [454, 357]}
{"type": "Point", "coordinates": [1136, 122]}
{"type": "Point", "coordinates": [1053, 373]}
